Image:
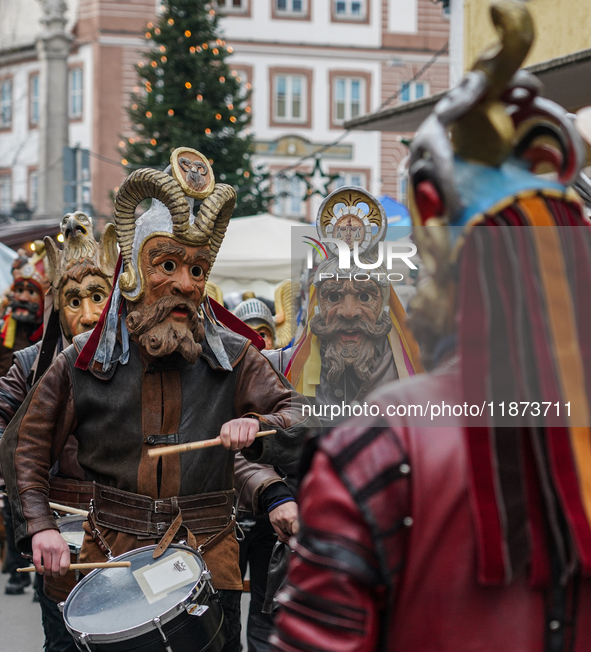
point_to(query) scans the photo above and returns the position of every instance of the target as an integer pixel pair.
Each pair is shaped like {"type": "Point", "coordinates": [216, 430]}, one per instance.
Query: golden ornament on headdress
{"type": "Point", "coordinates": [193, 171]}
{"type": "Point", "coordinates": [208, 227]}
{"type": "Point", "coordinates": [348, 214]}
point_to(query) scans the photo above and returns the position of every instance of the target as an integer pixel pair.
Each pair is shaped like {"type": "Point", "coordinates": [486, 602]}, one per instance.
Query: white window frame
{"type": "Point", "coordinates": [350, 178]}
{"type": "Point", "coordinates": [227, 7]}
{"type": "Point", "coordinates": [75, 93]}
{"type": "Point", "coordinates": [289, 10]}
{"type": "Point", "coordinates": [6, 103]}
{"type": "Point", "coordinates": [421, 86]}
{"type": "Point", "coordinates": [289, 197]}
{"type": "Point", "coordinates": [6, 194]}
{"type": "Point", "coordinates": [347, 100]}
{"type": "Point", "coordinates": [34, 106]}
{"type": "Point", "coordinates": [348, 13]}
{"type": "Point", "coordinates": [289, 98]}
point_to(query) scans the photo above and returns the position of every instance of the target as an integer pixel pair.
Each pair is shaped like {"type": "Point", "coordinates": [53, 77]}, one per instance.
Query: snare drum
{"type": "Point", "coordinates": [58, 588]}
{"type": "Point", "coordinates": [155, 605]}
{"type": "Point", "coordinates": [70, 528]}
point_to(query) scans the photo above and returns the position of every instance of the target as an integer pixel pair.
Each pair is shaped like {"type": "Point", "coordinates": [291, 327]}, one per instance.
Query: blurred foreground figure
{"type": "Point", "coordinates": [457, 533]}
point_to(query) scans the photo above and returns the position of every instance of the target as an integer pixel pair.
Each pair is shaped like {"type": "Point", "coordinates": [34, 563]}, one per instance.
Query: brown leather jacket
{"type": "Point", "coordinates": [113, 417]}
{"type": "Point", "coordinates": [250, 479]}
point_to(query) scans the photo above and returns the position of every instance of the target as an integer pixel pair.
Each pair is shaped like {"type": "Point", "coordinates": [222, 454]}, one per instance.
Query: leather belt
{"type": "Point", "coordinates": [73, 493]}
{"type": "Point", "coordinates": [155, 440]}
{"type": "Point", "coordinates": [148, 518]}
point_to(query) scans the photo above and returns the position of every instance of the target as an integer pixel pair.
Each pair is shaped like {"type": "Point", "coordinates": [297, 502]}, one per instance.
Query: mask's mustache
{"type": "Point", "coordinates": [31, 309]}
{"type": "Point", "coordinates": [360, 355]}
{"type": "Point", "coordinates": [30, 306]}
{"type": "Point", "coordinates": [373, 330]}
{"type": "Point", "coordinates": [140, 321]}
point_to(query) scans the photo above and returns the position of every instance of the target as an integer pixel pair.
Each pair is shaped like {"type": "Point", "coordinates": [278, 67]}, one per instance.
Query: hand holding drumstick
{"type": "Point", "coordinates": [234, 435]}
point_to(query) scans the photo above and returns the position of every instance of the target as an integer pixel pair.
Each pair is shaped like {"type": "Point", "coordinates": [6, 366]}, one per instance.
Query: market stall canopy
{"type": "Point", "coordinates": [399, 222]}
{"type": "Point", "coordinates": [15, 234]}
{"type": "Point", "coordinates": [565, 79]}
{"type": "Point", "coordinates": [255, 249]}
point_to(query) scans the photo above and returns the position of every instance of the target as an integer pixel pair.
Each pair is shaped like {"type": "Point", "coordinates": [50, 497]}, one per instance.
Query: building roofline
{"type": "Point", "coordinates": [17, 53]}
{"type": "Point", "coordinates": [407, 117]}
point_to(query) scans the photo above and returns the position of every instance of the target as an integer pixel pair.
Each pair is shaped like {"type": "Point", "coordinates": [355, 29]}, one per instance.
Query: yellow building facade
{"type": "Point", "coordinates": [562, 27]}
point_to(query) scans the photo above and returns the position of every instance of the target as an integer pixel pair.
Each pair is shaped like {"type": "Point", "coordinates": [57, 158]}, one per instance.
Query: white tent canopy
{"type": "Point", "coordinates": [255, 255]}
{"type": "Point", "coordinates": [7, 255]}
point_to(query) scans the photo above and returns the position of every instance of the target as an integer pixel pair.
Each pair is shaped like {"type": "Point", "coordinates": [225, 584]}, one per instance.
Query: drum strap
{"type": "Point", "coordinates": [170, 534]}
{"type": "Point", "coordinates": [208, 544]}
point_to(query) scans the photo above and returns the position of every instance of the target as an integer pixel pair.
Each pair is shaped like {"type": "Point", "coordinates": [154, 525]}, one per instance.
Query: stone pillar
{"type": "Point", "coordinates": [53, 46]}
{"type": "Point", "coordinates": [456, 42]}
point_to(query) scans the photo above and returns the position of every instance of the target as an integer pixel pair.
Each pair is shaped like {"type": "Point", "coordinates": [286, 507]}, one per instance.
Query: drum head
{"type": "Point", "coordinates": [113, 600]}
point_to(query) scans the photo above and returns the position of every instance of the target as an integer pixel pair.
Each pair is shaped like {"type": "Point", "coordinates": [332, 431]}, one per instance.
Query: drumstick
{"type": "Point", "coordinates": [89, 566]}
{"type": "Point", "coordinates": [196, 445]}
{"type": "Point", "coordinates": [68, 510]}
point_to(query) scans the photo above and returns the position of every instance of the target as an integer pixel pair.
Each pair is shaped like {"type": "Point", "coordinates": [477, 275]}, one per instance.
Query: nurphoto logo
{"type": "Point", "coordinates": [387, 251]}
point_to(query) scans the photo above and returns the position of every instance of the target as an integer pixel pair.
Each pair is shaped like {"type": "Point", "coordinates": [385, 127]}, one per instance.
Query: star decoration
{"type": "Point", "coordinates": [317, 181]}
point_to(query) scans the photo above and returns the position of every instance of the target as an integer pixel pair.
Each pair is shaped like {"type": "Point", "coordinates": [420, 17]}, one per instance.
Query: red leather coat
{"type": "Point", "coordinates": [386, 558]}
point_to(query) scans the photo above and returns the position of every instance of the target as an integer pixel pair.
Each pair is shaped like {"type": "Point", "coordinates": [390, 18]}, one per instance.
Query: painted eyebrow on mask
{"type": "Point", "coordinates": [173, 249]}
{"type": "Point", "coordinates": [96, 287]}
{"type": "Point", "coordinates": [77, 291]}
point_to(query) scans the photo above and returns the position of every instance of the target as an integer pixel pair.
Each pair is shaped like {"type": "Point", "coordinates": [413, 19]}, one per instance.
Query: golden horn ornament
{"type": "Point", "coordinates": [486, 133]}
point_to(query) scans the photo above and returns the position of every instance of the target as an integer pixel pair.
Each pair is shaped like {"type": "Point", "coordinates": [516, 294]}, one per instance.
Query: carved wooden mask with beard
{"type": "Point", "coordinates": [165, 319]}
{"type": "Point", "coordinates": [350, 323]}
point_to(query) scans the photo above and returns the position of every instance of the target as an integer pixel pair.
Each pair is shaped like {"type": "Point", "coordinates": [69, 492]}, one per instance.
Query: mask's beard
{"type": "Point", "coordinates": [28, 317]}
{"type": "Point", "coordinates": [161, 338]}
{"type": "Point", "coordinates": [360, 355]}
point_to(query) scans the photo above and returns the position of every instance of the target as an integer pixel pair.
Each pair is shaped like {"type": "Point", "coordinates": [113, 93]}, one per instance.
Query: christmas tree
{"type": "Point", "coordinates": [192, 97]}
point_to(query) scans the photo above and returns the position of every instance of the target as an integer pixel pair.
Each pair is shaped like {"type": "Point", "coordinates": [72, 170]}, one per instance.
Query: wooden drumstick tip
{"type": "Point", "coordinates": [196, 445]}
{"type": "Point", "coordinates": [87, 566]}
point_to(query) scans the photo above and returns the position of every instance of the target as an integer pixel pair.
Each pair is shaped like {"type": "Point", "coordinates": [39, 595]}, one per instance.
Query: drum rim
{"type": "Point", "coordinates": [72, 518]}
{"type": "Point", "coordinates": [148, 626]}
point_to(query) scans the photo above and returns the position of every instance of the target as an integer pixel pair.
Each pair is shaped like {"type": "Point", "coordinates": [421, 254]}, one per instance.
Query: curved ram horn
{"type": "Point", "coordinates": [485, 133]}
{"type": "Point", "coordinates": [515, 28]}
{"type": "Point", "coordinates": [108, 250]}
{"type": "Point", "coordinates": [138, 186]}
{"type": "Point", "coordinates": [213, 217]}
